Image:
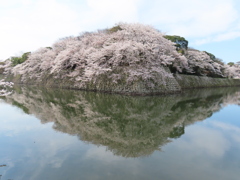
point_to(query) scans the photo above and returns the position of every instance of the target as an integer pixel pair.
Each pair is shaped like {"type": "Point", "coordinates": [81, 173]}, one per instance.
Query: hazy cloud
{"type": "Point", "coordinates": [193, 18]}
{"type": "Point", "coordinates": [209, 141]}
{"type": "Point", "coordinates": [27, 25]}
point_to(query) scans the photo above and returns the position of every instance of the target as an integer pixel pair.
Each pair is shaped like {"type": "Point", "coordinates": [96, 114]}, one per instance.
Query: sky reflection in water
{"type": "Point", "coordinates": [99, 136]}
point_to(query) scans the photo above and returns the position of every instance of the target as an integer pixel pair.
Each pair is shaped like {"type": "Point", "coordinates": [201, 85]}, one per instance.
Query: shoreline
{"type": "Point", "coordinates": [185, 82]}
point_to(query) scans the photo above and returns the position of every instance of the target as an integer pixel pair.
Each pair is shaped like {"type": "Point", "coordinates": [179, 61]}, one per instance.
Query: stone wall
{"type": "Point", "coordinates": [160, 84]}
{"type": "Point", "coordinates": [190, 81]}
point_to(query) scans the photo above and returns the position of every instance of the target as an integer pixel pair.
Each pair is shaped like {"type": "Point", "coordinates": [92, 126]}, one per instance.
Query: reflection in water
{"type": "Point", "coordinates": [127, 126]}
{"type": "Point", "coordinates": [5, 88]}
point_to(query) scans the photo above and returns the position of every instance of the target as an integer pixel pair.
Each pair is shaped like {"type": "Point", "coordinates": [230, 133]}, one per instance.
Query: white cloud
{"type": "Point", "coordinates": [105, 13]}
{"type": "Point", "coordinates": [203, 41]}
{"type": "Point", "coordinates": [193, 18]}
{"type": "Point", "coordinates": [29, 24]}
{"type": "Point", "coordinates": [124, 9]}
{"type": "Point", "coordinates": [227, 36]}
{"type": "Point", "coordinates": [207, 141]}
{"type": "Point", "coordinates": [26, 28]}
{"type": "Point", "coordinates": [102, 154]}
{"type": "Point", "coordinates": [226, 127]}
{"type": "Point", "coordinates": [218, 38]}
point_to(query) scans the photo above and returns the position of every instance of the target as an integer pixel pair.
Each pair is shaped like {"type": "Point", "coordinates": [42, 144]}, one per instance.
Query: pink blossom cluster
{"type": "Point", "coordinates": [200, 63]}
{"type": "Point", "coordinates": [232, 71]}
{"type": "Point", "coordinates": [136, 49]}
{"type": "Point", "coordinates": [130, 51]}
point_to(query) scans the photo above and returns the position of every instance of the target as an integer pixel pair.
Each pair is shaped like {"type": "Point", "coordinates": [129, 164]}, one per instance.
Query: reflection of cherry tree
{"type": "Point", "coordinates": [127, 126]}
{"type": "Point", "coordinates": [5, 88]}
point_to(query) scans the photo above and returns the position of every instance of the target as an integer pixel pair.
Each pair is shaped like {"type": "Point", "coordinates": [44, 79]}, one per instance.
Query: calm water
{"type": "Point", "coordinates": [70, 135]}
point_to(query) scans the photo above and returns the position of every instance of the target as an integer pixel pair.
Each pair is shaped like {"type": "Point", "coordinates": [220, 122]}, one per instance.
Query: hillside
{"type": "Point", "coordinates": [128, 58]}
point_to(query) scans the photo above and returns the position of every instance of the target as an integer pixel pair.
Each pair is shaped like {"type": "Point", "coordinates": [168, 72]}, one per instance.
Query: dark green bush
{"type": "Point", "coordinates": [19, 60]}
{"type": "Point", "coordinates": [219, 61]}
{"type": "Point", "coordinates": [181, 51]}
{"type": "Point", "coordinates": [21, 106]}
{"type": "Point", "coordinates": [214, 58]}
{"type": "Point", "coordinates": [1, 70]}
{"type": "Point", "coordinates": [114, 29]}
{"type": "Point", "coordinates": [230, 63]}
{"type": "Point", "coordinates": [210, 55]}
{"type": "Point", "coordinates": [174, 38]}
{"type": "Point", "coordinates": [181, 42]}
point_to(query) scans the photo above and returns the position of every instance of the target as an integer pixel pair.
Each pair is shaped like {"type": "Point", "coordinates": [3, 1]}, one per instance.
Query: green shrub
{"type": "Point", "coordinates": [21, 106]}
{"type": "Point", "coordinates": [181, 51]}
{"type": "Point", "coordinates": [219, 61]}
{"type": "Point", "coordinates": [230, 63]}
{"type": "Point", "coordinates": [20, 60]}
{"type": "Point", "coordinates": [181, 42]}
{"type": "Point", "coordinates": [210, 55]}
{"type": "Point", "coordinates": [1, 70]}
{"type": "Point", "coordinates": [114, 29]}
{"type": "Point", "coordinates": [174, 38]}
{"type": "Point", "coordinates": [214, 58]}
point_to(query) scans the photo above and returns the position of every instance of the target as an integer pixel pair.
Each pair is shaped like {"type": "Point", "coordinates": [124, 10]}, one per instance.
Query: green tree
{"type": "Point", "coordinates": [230, 63]}
{"type": "Point", "coordinates": [19, 60]}
{"type": "Point", "coordinates": [181, 42]}
{"type": "Point", "coordinates": [210, 55]}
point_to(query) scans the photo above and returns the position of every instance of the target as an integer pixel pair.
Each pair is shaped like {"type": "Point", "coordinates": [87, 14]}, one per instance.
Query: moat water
{"type": "Point", "coordinates": [52, 134]}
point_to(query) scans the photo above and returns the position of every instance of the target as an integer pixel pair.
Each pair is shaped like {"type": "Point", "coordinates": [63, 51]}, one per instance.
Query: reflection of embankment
{"type": "Point", "coordinates": [128, 126]}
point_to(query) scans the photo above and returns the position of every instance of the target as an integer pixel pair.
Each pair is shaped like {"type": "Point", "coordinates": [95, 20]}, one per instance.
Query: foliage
{"type": "Point", "coordinates": [232, 71]}
{"type": "Point", "coordinates": [20, 60]}
{"type": "Point", "coordinates": [181, 42]}
{"type": "Point", "coordinates": [114, 29]}
{"type": "Point", "coordinates": [21, 106]}
{"type": "Point", "coordinates": [219, 61]}
{"type": "Point", "coordinates": [136, 52]}
{"type": "Point", "coordinates": [1, 70]}
{"type": "Point", "coordinates": [214, 58]}
{"type": "Point", "coordinates": [181, 51]}
{"type": "Point", "coordinates": [175, 38]}
{"type": "Point", "coordinates": [1, 67]}
{"type": "Point", "coordinates": [125, 53]}
{"type": "Point", "coordinates": [230, 63]}
{"type": "Point", "coordinates": [210, 55]}
{"type": "Point", "coordinates": [16, 60]}
{"type": "Point", "coordinates": [122, 123]}
{"type": "Point", "coordinates": [200, 63]}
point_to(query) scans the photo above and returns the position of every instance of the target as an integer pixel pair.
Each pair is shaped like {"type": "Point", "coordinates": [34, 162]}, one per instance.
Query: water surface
{"type": "Point", "coordinates": [63, 134]}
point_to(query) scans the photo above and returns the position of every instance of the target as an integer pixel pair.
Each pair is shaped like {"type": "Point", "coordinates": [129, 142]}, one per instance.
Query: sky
{"type": "Point", "coordinates": [208, 25]}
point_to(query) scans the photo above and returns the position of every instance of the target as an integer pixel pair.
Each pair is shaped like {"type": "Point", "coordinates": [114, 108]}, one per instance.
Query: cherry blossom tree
{"type": "Point", "coordinates": [135, 50]}
{"type": "Point", "coordinates": [232, 71]}
{"type": "Point", "coordinates": [200, 63]}
{"type": "Point", "coordinates": [125, 53]}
